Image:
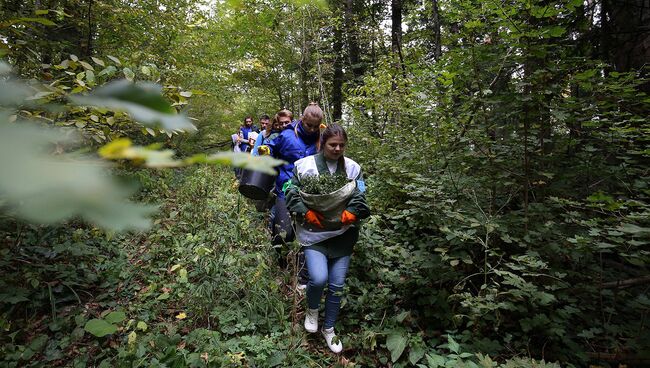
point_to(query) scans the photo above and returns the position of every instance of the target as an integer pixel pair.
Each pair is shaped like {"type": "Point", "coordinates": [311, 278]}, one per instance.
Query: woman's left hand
{"type": "Point", "coordinates": [348, 217]}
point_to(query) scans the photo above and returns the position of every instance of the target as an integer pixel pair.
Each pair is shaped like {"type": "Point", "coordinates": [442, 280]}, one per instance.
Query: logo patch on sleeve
{"type": "Point", "coordinates": [361, 185]}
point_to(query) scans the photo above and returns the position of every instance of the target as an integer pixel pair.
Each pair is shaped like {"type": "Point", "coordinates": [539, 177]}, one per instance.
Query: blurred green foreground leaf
{"type": "Point", "coordinates": [46, 188]}
{"type": "Point", "coordinates": [143, 101]}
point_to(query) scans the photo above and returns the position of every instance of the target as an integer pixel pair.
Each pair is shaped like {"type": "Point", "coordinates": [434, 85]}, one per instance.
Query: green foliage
{"type": "Point", "coordinates": [46, 188]}
{"type": "Point", "coordinates": [143, 101]}
{"type": "Point", "coordinates": [507, 175]}
{"type": "Point", "coordinates": [100, 327]}
{"type": "Point", "coordinates": [322, 184]}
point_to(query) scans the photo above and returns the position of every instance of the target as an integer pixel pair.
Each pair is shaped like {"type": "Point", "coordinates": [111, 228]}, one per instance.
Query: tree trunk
{"type": "Point", "coordinates": [87, 49]}
{"type": "Point", "coordinates": [304, 73]}
{"type": "Point", "coordinates": [433, 25]}
{"type": "Point", "coordinates": [337, 82]}
{"type": "Point", "coordinates": [626, 27]}
{"type": "Point", "coordinates": [352, 30]}
{"type": "Point", "coordinates": [396, 30]}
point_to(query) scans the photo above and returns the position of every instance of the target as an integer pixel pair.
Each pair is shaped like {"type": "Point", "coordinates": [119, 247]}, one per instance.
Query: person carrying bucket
{"type": "Point", "coordinates": [272, 130]}
{"type": "Point", "coordinates": [327, 226]}
{"type": "Point", "coordinates": [298, 139]}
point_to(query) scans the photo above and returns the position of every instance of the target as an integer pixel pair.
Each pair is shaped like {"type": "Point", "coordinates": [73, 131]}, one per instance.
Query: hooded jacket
{"type": "Point", "coordinates": [291, 145]}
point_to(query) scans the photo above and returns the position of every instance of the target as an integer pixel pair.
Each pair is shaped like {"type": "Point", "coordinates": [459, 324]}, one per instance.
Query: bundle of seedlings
{"type": "Point", "coordinates": [327, 195]}
{"type": "Point", "coordinates": [322, 184]}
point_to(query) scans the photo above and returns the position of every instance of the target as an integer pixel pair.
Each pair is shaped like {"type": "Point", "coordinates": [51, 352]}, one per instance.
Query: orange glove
{"type": "Point", "coordinates": [314, 218]}
{"type": "Point", "coordinates": [348, 217]}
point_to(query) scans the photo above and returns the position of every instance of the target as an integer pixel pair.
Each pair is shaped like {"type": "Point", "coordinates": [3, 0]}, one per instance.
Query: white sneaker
{"type": "Point", "coordinates": [330, 337]}
{"type": "Point", "coordinates": [311, 320]}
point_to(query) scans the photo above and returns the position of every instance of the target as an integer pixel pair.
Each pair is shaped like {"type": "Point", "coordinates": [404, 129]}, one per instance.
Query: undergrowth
{"type": "Point", "coordinates": [203, 288]}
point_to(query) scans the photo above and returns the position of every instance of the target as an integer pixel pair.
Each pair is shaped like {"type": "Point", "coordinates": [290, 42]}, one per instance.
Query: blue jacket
{"type": "Point", "coordinates": [261, 140]}
{"type": "Point", "coordinates": [291, 145]}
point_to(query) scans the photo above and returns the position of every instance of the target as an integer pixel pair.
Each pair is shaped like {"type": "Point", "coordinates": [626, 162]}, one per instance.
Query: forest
{"type": "Point", "coordinates": [505, 146]}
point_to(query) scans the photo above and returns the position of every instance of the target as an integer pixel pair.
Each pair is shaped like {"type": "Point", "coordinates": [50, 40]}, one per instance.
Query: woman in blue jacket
{"type": "Point", "coordinates": [299, 139]}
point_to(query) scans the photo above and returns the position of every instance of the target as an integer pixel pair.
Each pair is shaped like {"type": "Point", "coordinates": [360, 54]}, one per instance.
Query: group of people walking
{"type": "Point", "coordinates": [310, 148]}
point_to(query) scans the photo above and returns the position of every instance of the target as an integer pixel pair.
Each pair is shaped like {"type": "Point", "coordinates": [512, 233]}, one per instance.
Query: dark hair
{"type": "Point", "coordinates": [331, 131]}
{"type": "Point", "coordinates": [248, 117]}
{"type": "Point", "coordinates": [264, 117]}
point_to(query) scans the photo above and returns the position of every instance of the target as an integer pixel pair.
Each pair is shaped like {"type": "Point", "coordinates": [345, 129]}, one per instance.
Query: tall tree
{"type": "Point", "coordinates": [627, 34]}
{"type": "Point", "coordinates": [337, 78]}
{"type": "Point", "coordinates": [433, 26]}
{"type": "Point", "coordinates": [396, 31]}
{"type": "Point", "coordinates": [352, 31]}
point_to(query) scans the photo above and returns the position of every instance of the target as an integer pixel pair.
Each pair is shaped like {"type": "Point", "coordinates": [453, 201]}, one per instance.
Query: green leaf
{"type": "Point", "coordinates": [46, 189]}
{"type": "Point", "coordinates": [416, 353]}
{"type": "Point", "coordinates": [115, 60]}
{"type": "Point", "coordinates": [99, 327]}
{"type": "Point", "coordinates": [400, 317]}
{"type": "Point", "coordinates": [182, 276]}
{"type": "Point", "coordinates": [109, 70]}
{"type": "Point", "coordinates": [396, 343]}
{"type": "Point", "coordinates": [43, 21]}
{"type": "Point", "coordinates": [435, 360]}
{"type": "Point", "coordinates": [633, 229]}
{"type": "Point", "coordinates": [143, 101]}
{"type": "Point", "coordinates": [39, 95]}
{"type": "Point", "coordinates": [141, 326]}
{"type": "Point", "coordinates": [115, 317]}
{"type": "Point", "coordinates": [264, 164]}
{"type": "Point", "coordinates": [452, 344]}
{"type": "Point", "coordinates": [90, 76]}
{"type": "Point", "coordinates": [86, 65]}
{"type": "Point", "coordinates": [98, 61]}
{"type": "Point", "coordinates": [556, 31]}
{"type": "Point", "coordinates": [128, 74]}
{"type": "Point", "coordinates": [276, 359]}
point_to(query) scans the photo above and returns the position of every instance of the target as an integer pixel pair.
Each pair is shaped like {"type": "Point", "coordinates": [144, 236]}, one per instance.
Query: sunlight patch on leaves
{"type": "Point", "coordinates": [123, 148]}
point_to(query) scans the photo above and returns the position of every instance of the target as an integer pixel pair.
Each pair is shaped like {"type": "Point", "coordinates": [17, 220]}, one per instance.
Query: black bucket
{"type": "Point", "coordinates": [256, 184]}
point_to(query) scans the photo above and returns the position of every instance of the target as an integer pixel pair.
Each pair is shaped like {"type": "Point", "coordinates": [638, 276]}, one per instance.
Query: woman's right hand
{"type": "Point", "coordinates": [314, 218]}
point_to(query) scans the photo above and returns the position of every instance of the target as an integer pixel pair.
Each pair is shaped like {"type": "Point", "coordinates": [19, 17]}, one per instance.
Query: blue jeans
{"type": "Point", "coordinates": [324, 271]}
